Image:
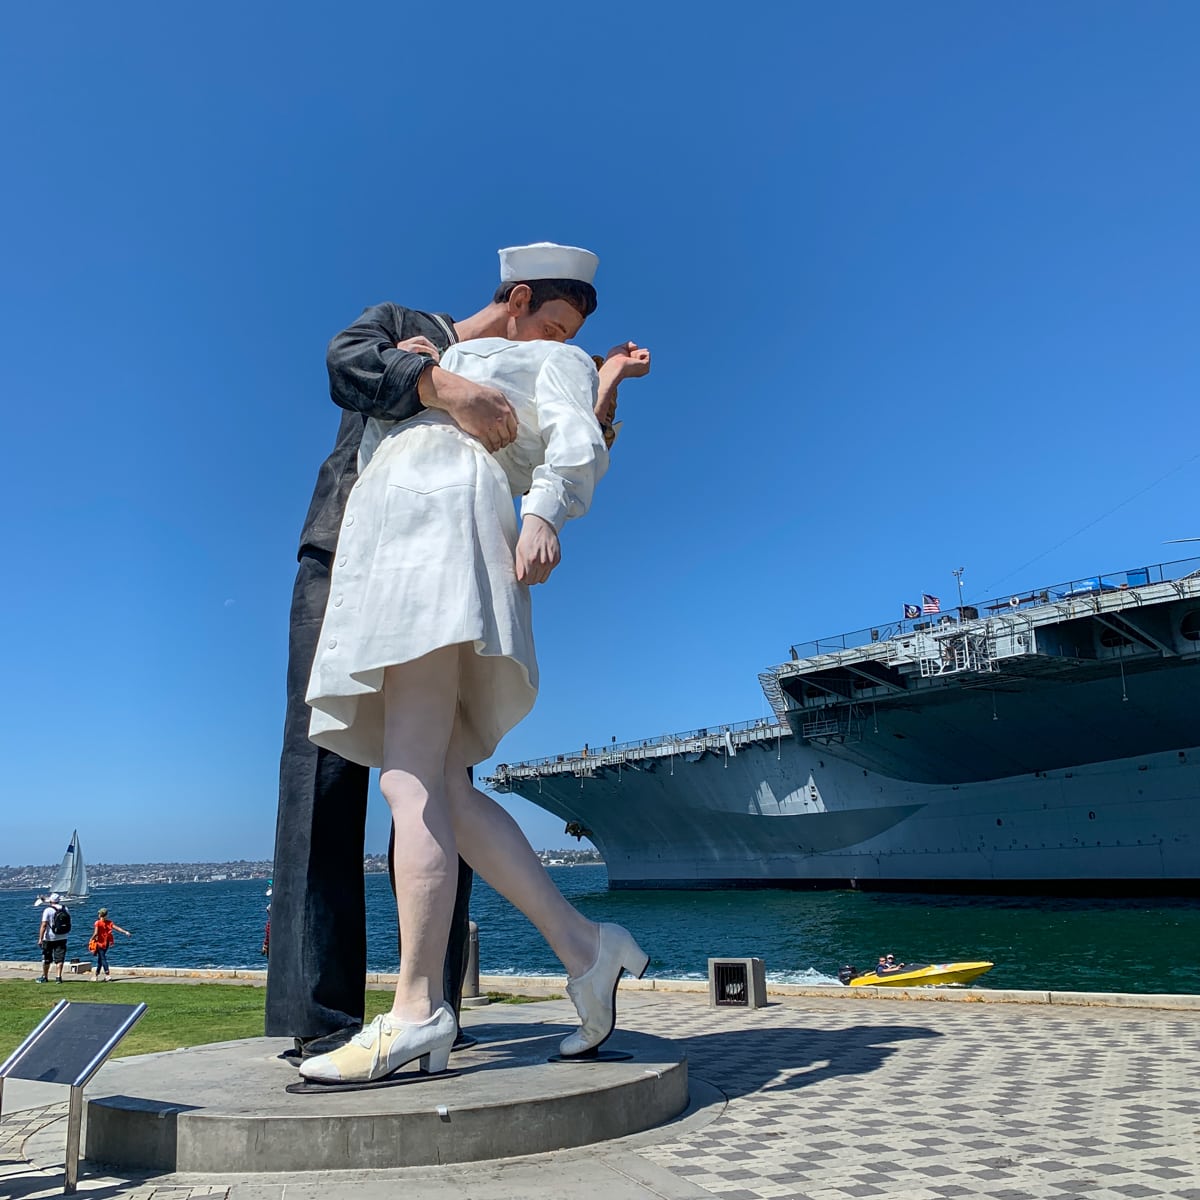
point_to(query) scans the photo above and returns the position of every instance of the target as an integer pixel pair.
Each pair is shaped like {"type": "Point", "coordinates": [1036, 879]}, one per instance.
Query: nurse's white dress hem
{"type": "Point", "coordinates": [424, 560]}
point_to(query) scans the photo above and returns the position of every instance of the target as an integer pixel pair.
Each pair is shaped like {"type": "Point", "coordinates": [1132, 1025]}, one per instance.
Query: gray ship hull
{"type": "Point", "coordinates": [782, 814]}
{"type": "Point", "coordinates": [1052, 746]}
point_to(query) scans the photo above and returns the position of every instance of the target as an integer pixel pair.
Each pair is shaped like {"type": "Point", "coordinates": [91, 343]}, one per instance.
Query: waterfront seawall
{"type": "Point", "coordinates": [555, 985]}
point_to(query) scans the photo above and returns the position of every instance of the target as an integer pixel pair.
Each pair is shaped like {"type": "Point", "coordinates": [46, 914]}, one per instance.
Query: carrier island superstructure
{"type": "Point", "coordinates": [1048, 740]}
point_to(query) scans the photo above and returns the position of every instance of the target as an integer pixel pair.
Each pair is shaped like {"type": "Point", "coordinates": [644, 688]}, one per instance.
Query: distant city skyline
{"type": "Point", "coordinates": [102, 875]}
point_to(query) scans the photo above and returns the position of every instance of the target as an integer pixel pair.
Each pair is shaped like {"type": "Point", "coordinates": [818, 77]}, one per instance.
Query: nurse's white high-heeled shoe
{"type": "Point", "coordinates": [594, 993]}
{"type": "Point", "coordinates": [385, 1046]}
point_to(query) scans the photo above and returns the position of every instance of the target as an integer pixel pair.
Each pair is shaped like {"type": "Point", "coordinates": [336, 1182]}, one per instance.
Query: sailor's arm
{"type": "Point", "coordinates": [369, 373]}
{"type": "Point", "coordinates": [482, 411]}
{"type": "Point", "coordinates": [374, 372]}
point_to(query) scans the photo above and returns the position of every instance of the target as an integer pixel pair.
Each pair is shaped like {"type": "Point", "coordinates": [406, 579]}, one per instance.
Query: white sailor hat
{"type": "Point", "coordinates": [545, 260]}
{"type": "Point", "coordinates": [54, 898]}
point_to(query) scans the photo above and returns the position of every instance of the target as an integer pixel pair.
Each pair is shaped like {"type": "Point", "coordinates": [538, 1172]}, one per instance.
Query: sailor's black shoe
{"type": "Point", "coordinates": [303, 1048]}
{"type": "Point", "coordinates": [311, 1047]}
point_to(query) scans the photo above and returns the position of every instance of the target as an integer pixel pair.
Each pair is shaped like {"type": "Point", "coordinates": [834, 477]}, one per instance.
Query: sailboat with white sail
{"type": "Point", "coordinates": [71, 882]}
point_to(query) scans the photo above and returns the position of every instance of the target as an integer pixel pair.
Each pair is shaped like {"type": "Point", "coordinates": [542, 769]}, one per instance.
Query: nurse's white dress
{"type": "Point", "coordinates": [425, 554]}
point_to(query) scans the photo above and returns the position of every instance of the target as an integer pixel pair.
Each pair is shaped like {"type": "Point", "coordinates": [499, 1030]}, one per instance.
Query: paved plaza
{"type": "Point", "coordinates": [810, 1099]}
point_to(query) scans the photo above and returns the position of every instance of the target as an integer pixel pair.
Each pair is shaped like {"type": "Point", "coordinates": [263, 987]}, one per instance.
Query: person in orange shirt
{"type": "Point", "coordinates": [102, 939]}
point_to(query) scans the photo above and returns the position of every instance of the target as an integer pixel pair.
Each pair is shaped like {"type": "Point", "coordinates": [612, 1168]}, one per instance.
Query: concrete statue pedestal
{"type": "Point", "coordinates": [224, 1108]}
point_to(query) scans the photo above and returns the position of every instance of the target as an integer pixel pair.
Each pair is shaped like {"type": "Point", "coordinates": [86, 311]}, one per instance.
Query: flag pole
{"type": "Point", "coordinates": [958, 576]}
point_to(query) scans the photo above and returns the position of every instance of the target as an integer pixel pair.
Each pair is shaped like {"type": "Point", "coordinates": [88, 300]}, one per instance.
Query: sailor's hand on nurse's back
{"type": "Point", "coordinates": [420, 345]}
{"type": "Point", "coordinates": [631, 360]}
{"type": "Point", "coordinates": [538, 551]}
{"type": "Point", "coordinates": [483, 412]}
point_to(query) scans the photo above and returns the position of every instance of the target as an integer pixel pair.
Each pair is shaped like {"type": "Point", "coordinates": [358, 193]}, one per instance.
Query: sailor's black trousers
{"type": "Point", "coordinates": [316, 971]}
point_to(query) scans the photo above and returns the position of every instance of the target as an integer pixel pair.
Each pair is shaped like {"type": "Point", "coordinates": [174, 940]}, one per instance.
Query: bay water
{"type": "Point", "coordinates": [1072, 944]}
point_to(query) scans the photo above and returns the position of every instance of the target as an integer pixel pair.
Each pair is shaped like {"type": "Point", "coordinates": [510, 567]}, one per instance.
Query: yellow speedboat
{"type": "Point", "coordinates": [918, 975]}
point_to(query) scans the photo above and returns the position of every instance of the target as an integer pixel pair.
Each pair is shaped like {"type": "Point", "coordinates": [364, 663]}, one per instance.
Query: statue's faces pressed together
{"type": "Point", "coordinates": [554, 321]}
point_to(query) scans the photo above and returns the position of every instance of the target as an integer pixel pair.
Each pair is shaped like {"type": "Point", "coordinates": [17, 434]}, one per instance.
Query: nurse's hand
{"type": "Point", "coordinates": [420, 345]}
{"type": "Point", "coordinates": [626, 361]}
{"type": "Point", "coordinates": [483, 412]}
{"type": "Point", "coordinates": [630, 360]}
{"type": "Point", "coordinates": [538, 551]}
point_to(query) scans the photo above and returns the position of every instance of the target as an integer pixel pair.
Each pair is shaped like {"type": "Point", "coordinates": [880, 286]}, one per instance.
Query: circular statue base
{"type": "Point", "coordinates": [226, 1108]}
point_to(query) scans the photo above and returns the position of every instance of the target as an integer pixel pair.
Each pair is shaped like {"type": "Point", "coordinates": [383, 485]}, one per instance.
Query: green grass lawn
{"type": "Point", "coordinates": [177, 1014]}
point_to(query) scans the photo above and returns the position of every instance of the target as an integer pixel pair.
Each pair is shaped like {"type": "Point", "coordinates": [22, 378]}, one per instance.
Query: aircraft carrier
{"type": "Point", "coordinates": [1045, 741]}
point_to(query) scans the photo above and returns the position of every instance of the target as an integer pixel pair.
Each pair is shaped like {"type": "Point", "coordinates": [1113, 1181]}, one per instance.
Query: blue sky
{"type": "Point", "coordinates": [920, 282]}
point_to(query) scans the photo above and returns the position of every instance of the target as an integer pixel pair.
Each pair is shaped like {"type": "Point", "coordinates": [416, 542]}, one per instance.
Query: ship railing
{"type": "Point", "coordinates": [769, 681]}
{"type": "Point", "coordinates": [820, 727]}
{"type": "Point", "coordinates": [1077, 595]}
{"type": "Point", "coordinates": [840, 726]}
{"type": "Point", "coordinates": [951, 655]}
{"type": "Point", "coordinates": [589, 757]}
{"type": "Point", "coordinates": [1010, 635]}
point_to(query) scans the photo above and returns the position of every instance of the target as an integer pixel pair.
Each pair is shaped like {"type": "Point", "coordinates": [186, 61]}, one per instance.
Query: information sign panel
{"type": "Point", "coordinates": [69, 1046]}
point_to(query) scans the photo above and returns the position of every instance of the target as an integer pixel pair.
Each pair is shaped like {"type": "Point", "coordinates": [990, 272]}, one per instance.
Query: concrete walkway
{"type": "Point", "coordinates": [810, 1098]}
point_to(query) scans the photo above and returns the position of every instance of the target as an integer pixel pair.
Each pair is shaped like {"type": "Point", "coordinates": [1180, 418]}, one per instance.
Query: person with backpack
{"type": "Point", "coordinates": [52, 936]}
{"type": "Point", "coordinates": [102, 939]}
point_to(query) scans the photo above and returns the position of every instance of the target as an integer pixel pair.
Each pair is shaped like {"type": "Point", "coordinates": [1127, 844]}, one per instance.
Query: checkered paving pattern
{"type": "Point", "coordinates": [19, 1182]}
{"type": "Point", "coordinates": [16, 1128]}
{"type": "Point", "coordinates": [840, 1100]}
{"type": "Point", "coordinates": [837, 1101]}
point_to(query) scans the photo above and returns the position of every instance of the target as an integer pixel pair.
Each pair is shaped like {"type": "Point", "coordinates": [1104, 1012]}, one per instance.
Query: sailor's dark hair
{"type": "Point", "coordinates": [579, 295]}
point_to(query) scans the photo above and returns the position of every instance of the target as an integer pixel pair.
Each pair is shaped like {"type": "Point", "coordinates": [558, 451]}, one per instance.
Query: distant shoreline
{"type": "Point", "coordinates": [105, 875]}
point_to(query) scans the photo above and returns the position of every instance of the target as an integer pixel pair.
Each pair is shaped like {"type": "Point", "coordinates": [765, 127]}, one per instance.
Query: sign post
{"type": "Point", "coordinates": [69, 1046]}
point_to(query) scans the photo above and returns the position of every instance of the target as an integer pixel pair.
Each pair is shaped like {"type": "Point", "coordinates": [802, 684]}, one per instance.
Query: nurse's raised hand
{"type": "Point", "coordinates": [538, 551]}
{"type": "Point", "coordinates": [631, 360]}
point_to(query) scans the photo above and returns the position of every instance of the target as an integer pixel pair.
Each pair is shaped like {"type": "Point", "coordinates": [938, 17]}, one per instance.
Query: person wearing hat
{"type": "Point", "coordinates": [52, 937]}
{"type": "Point", "coordinates": [425, 658]}
{"type": "Point", "coordinates": [102, 940]}
{"type": "Point", "coordinates": [385, 367]}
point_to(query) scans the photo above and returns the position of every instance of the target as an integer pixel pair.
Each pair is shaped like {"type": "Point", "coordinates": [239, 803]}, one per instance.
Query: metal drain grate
{"type": "Point", "coordinates": [737, 981]}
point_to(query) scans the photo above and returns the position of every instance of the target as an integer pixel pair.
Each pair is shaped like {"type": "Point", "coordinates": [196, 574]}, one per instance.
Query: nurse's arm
{"type": "Point", "coordinates": [626, 361]}
{"type": "Point", "coordinates": [575, 455]}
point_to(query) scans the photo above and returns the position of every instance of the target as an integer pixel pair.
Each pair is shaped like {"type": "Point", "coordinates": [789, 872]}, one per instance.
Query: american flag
{"type": "Point", "coordinates": [930, 604]}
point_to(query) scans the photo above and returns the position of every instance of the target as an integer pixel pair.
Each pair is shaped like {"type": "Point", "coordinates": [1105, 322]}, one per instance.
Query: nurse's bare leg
{"type": "Point", "coordinates": [420, 699]}
{"type": "Point", "coordinates": [595, 955]}
{"type": "Point", "coordinates": [492, 843]}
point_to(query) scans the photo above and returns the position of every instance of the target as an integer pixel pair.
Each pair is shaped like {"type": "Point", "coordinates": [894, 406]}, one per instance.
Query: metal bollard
{"type": "Point", "coordinates": [471, 997]}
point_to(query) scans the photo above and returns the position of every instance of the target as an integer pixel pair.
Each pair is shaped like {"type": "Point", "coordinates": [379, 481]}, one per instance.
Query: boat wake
{"type": "Point", "coordinates": [805, 978]}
